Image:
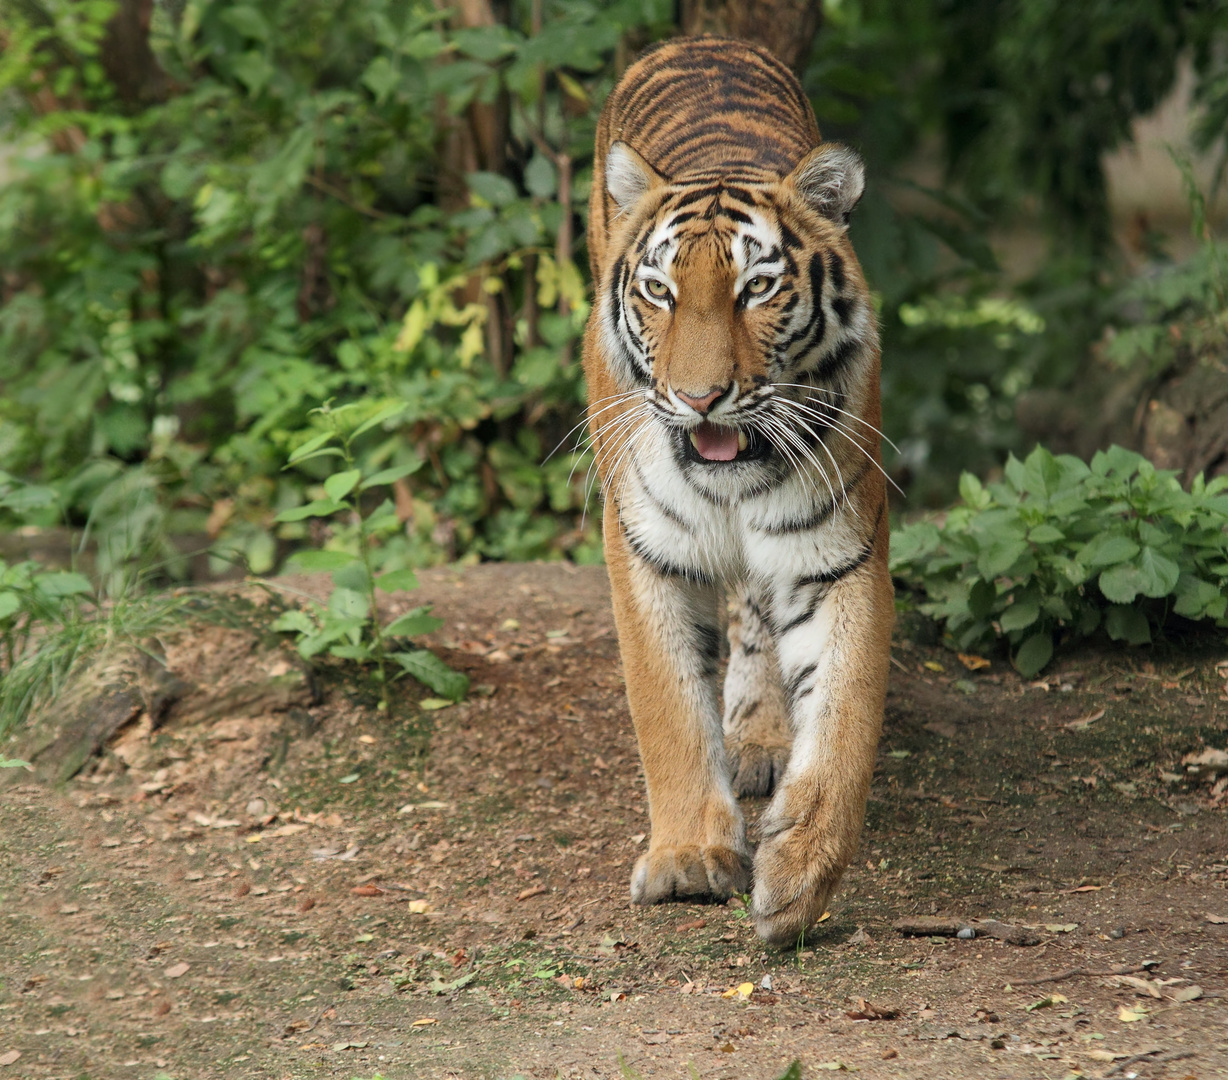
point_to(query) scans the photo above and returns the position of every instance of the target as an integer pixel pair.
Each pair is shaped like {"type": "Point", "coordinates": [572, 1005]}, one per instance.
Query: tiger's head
{"type": "Point", "coordinates": [736, 308]}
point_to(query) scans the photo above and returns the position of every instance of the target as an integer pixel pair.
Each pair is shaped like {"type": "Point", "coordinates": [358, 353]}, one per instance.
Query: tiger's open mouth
{"type": "Point", "coordinates": [713, 444]}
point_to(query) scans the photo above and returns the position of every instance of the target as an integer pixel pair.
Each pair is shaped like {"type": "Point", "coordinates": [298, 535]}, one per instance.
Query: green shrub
{"type": "Point", "coordinates": [348, 626]}
{"type": "Point", "coordinates": [1058, 549]}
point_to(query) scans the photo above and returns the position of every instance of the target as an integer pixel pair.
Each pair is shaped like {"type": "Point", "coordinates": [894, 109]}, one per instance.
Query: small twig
{"type": "Point", "coordinates": [1125, 1063]}
{"type": "Point", "coordinates": [1081, 973]}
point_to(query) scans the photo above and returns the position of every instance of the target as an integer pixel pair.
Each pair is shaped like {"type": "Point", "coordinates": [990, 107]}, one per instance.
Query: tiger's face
{"type": "Point", "coordinates": [736, 310]}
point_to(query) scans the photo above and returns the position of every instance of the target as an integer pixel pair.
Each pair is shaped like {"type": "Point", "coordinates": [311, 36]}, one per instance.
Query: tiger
{"type": "Point", "coordinates": [732, 362]}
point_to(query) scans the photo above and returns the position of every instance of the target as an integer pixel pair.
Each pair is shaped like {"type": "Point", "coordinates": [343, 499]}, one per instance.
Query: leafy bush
{"type": "Point", "coordinates": [282, 212]}
{"type": "Point", "coordinates": [349, 627]}
{"type": "Point", "coordinates": [1058, 549]}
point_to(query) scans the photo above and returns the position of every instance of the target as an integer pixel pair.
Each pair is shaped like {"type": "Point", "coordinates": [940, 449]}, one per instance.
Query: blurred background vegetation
{"type": "Point", "coordinates": [216, 215]}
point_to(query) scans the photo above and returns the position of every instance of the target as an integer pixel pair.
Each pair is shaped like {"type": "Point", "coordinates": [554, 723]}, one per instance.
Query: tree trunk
{"type": "Point", "coordinates": [127, 58]}
{"type": "Point", "coordinates": [786, 28]}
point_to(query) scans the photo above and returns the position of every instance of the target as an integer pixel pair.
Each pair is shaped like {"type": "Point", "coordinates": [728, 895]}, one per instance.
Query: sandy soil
{"type": "Point", "coordinates": [265, 877]}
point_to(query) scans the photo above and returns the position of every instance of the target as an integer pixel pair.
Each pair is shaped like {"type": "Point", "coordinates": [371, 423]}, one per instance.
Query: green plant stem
{"type": "Point", "coordinates": [364, 551]}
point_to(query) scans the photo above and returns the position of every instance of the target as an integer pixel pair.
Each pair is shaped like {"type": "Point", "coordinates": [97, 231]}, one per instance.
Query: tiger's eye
{"type": "Point", "coordinates": [758, 285]}
{"type": "Point", "coordinates": [658, 290]}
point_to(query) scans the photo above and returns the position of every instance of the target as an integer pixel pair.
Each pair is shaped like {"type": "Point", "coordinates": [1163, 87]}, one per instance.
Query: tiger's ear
{"type": "Point", "coordinates": [628, 177]}
{"type": "Point", "coordinates": [831, 178]}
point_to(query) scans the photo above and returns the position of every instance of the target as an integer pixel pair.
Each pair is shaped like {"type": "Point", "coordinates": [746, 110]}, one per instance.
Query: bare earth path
{"type": "Point", "coordinates": [279, 885]}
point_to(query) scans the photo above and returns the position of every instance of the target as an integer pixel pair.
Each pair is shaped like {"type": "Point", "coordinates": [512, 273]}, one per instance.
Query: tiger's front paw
{"type": "Point", "coordinates": [689, 872]}
{"type": "Point", "coordinates": [796, 873]}
{"type": "Point", "coordinates": [757, 767]}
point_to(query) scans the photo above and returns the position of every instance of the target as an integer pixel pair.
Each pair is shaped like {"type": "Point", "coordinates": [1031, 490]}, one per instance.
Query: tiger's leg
{"type": "Point", "coordinates": [757, 737]}
{"type": "Point", "coordinates": [669, 638]}
{"type": "Point", "coordinates": [833, 639]}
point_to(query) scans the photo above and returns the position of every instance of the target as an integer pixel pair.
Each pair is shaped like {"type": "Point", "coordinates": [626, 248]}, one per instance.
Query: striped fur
{"type": "Point", "coordinates": [731, 310]}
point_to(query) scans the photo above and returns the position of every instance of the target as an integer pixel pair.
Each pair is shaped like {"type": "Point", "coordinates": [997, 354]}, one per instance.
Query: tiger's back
{"type": "Point", "coordinates": [732, 364]}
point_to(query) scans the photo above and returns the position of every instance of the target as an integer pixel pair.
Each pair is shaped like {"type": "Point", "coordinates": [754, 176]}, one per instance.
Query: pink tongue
{"type": "Point", "coordinates": [716, 443]}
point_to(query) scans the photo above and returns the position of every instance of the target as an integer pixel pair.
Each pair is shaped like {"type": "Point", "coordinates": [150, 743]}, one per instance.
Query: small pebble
{"type": "Point", "coordinates": [765, 983]}
{"type": "Point", "coordinates": [1117, 932]}
{"type": "Point", "coordinates": [966, 933]}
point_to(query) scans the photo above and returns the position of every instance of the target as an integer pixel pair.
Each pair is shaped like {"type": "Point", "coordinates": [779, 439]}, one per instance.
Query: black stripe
{"type": "Point", "coordinates": [817, 325]}
{"type": "Point", "coordinates": [735, 215]}
{"type": "Point", "coordinates": [835, 361]}
{"type": "Point", "coordinates": [841, 306]}
{"type": "Point", "coordinates": [828, 578]}
{"type": "Point", "coordinates": [797, 525]}
{"type": "Point", "coordinates": [663, 566]}
{"type": "Point", "coordinates": [708, 645]}
{"type": "Point", "coordinates": [658, 505]}
{"type": "Point", "coordinates": [836, 268]}
{"type": "Point", "coordinates": [795, 683]}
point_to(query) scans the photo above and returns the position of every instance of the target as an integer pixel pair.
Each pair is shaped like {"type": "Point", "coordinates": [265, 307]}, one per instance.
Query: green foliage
{"type": "Point", "coordinates": [189, 273]}
{"type": "Point", "coordinates": [1058, 549]}
{"type": "Point", "coordinates": [348, 626]}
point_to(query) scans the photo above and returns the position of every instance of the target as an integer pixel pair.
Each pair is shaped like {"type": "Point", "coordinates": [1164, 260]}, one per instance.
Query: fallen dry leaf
{"type": "Point", "coordinates": [9, 1057]}
{"type": "Point", "coordinates": [972, 662]}
{"type": "Point", "coordinates": [930, 665]}
{"type": "Point", "coordinates": [424, 1022]}
{"type": "Point", "coordinates": [367, 890]}
{"type": "Point", "coordinates": [695, 924]}
{"type": "Point", "coordinates": [177, 971]}
{"type": "Point", "coordinates": [1061, 928]}
{"type": "Point", "coordinates": [535, 890]}
{"type": "Point", "coordinates": [1104, 1055]}
{"type": "Point", "coordinates": [1187, 993]}
{"type": "Point", "coordinates": [1129, 1016]}
{"type": "Point", "coordinates": [742, 992]}
{"type": "Point", "coordinates": [242, 889]}
{"type": "Point", "coordinates": [1142, 986]}
{"type": "Point", "coordinates": [1219, 920]}
{"type": "Point", "coordinates": [864, 1010]}
{"type": "Point", "coordinates": [293, 829]}
{"type": "Point", "coordinates": [419, 907]}
{"type": "Point", "coordinates": [307, 903]}
{"type": "Point", "coordinates": [1084, 721]}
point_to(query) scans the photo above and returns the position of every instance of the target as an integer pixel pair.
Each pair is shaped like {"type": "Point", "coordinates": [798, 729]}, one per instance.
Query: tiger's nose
{"type": "Point", "coordinates": [701, 403]}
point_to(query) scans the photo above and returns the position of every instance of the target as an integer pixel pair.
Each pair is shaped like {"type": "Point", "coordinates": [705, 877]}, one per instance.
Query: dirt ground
{"type": "Point", "coordinates": [265, 877]}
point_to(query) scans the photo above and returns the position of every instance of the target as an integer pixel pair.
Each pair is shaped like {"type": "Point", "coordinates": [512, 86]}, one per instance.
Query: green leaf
{"type": "Point", "coordinates": [349, 603]}
{"type": "Point", "coordinates": [318, 509]}
{"type": "Point", "coordinates": [1001, 554]}
{"type": "Point", "coordinates": [353, 576]}
{"type": "Point", "coordinates": [1127, 624]}
{"type": "Point", "coordinates": [10, 603]}
{"type": "Point", "coordinates": [495, 189]}
{"type": "Point", "coordinates": [1121, 584]}
{"type": "Point", "coordinates": [1045, 534]}
{"type": "Point", "coordinates": [397, 581]}
{"type": "Point", "coordinates": [1020, 615]}
{"type": "Point", "coordinates": [1034, 654]}
{"type": "Point", "coordinates": [429, 670]}
{"type": "Point", "coordinates": [248, 21]}
{"type": "Point", "coordinates": [319, 560]}
{"type": "Point", "coordinates": [540, 178]}
{"type": "Point", "coordinates": [1158, 572]}
{"type": "Point", "coordinates": [351, 652]}
{"type": "Point", "coordinates": [1106, 549]}
{"type": "Point", "coordinates": [386, 413]}
{"type": "Point", "coordinates": [15, 763]}
{"type": "Point", "coordinates": [391, 475]}
{"type": "Point", "coordinates": [310, 446]}
{"type": "Point", "coordinates": [413, 623]}
{"type": "Point", "coordinates": [982, 599]}
{"type": "Point", "coordinates": [339, 485]}
{"type": "Point", "coordinates": [59, 583]}
{"type": "Point", "coordinates": [294, 622]}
